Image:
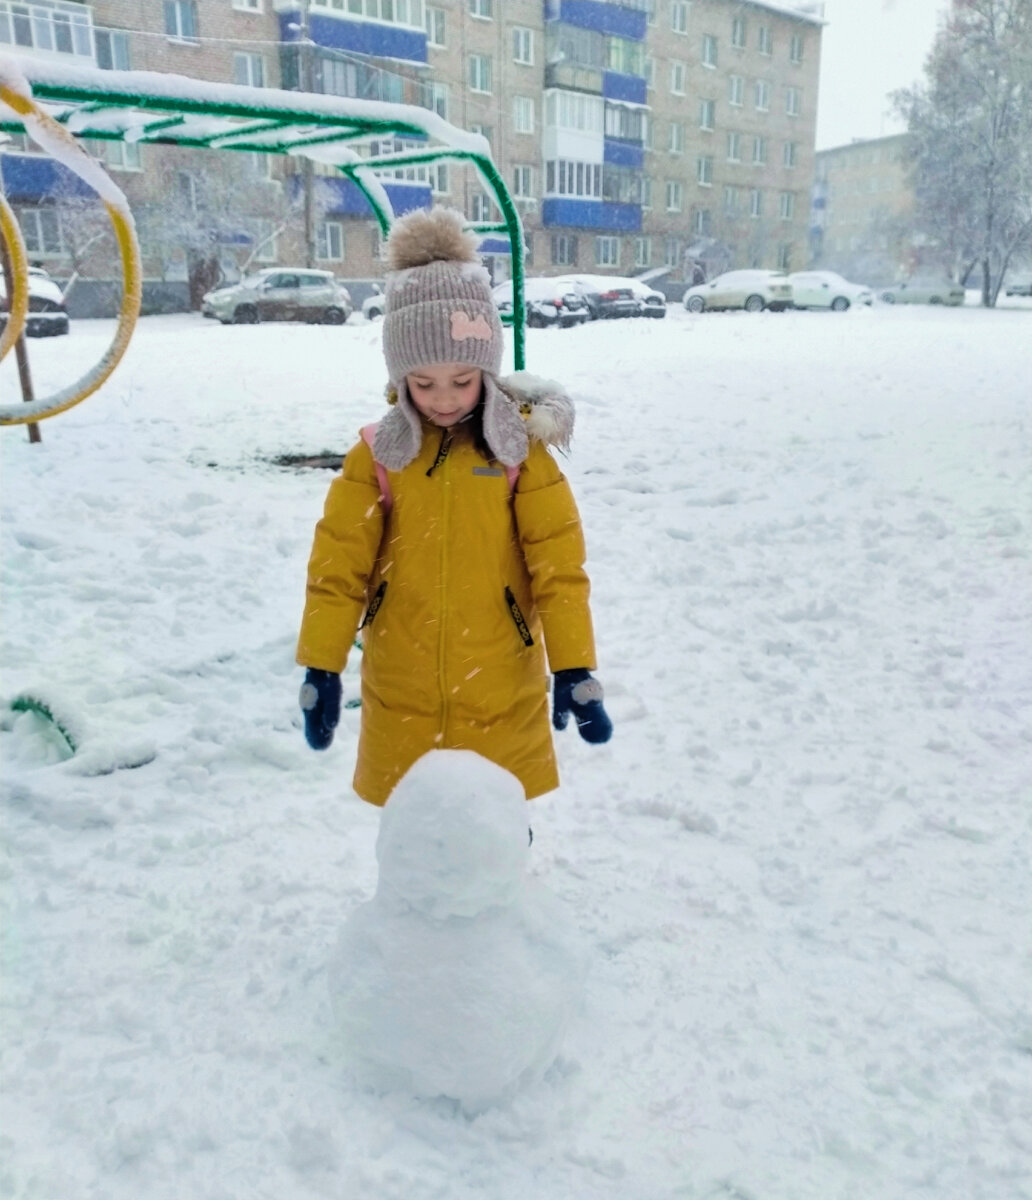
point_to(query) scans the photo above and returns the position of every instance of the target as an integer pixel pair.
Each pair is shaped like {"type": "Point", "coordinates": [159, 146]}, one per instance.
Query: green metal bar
{"type": "Point", "coordinates": [350, 170]}
{"type": "Point", "coordinates": [514, 227]}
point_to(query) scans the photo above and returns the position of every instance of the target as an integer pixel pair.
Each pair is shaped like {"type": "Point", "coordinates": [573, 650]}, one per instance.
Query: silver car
{"type": "Point", "coordinates": [753, 290]}
{"type": "Point", "coordinates": [827, 289]}
{"type": "Point", "coordinates": [281, 294]}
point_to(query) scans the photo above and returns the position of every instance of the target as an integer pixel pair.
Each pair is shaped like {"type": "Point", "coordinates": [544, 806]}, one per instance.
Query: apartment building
{"type": "Point", "coordinates": [861, 210]}
{"type": "Point", "coordinates": [635, 135]}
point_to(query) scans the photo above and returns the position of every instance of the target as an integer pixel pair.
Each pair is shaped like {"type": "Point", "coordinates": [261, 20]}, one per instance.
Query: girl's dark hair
{"type": "Point", "coordinates": [476, 420]}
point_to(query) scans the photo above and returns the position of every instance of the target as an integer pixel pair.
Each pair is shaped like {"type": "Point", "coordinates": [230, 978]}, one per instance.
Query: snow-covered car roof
{"type": "Point", "coordinates": [40, 284]}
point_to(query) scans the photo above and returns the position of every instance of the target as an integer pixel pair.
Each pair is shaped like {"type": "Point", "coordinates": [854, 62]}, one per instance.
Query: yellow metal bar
{"type": "Point", "coordinates": [18, 301]}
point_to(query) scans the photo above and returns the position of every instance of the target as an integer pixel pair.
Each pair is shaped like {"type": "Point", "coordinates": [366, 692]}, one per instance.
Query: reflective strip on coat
{"type": "Point", "coordinates": [465, 573]}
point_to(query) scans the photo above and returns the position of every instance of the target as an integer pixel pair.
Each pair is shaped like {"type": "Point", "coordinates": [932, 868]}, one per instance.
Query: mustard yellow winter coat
{"type": "Point", "coordinates": [458, 585]}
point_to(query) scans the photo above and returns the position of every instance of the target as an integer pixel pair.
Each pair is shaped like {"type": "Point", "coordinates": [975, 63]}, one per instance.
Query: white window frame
{"type": "Point", "coordinates": [436, 22]}
{"type": "Point", "coordinates": [708, 115]}
{"type": "Point", "coordinates": [734, 146]}
{"type": "Point", "coordinates": [789, 154]}
{"type": "Point", "coordinates": [249, 6]}
{"type": "Point", "coordinates": [675, 140]}
{"type": "Point", "coordinates": [674, 195]}
{"type": "Point", "coordinates": [761, 95]}
{"type": "Point", "coordinates": [786, 206]}
{"type": "Point", "coordinates": [679, 16]}
{"type": "Point", "coordinates": [266, 239]}
{"type": "Point", "coordinates": [117, 48]}
{"type": "Point", "coordinates": [440, 180]}
{"type": "Point", "coordinates": [480, 207]}
{"type": "Point", "coordinates": [759, 150]}
{"type": "Point", "coordinates": [795, 49]}
{"type": "Point", "coordinates": [248, 69]}
{"type": "Point", "coordinates": [756, 203]}
{"type": "Point", "coordinates": [440, 96]}
{"type": "Point", "coordinates": [793, 101]}
{"type": "Point", "coordinates": [736, 90]}
{"type": "Point", "coordinates": [523, 181]}
{"type": "Point", "coordinates": [704, 170]}
{"type": "Point", "coordinates": [708, 58]}
{"type": "Point", "coordinates": [523, 116]}
{"type": "Point", "coordinates": [327, 232]}
{"type": "Point", "coordinates": [179, 7]}
{"type": "Point", "coordinates": [648, 67]}
{"type": "Point", "coordinates": [702, 222]}
{"type": "Point", "coordinates": [732, 198]}
{"type": "Point", "coordinates": [671, 252]}
{"type": "Point", "coordinates": [118, 156]}
{"type": "Point", "coordinates": [765, 41]}
{"type": "Point", "coordinates": [738, 33]}
{"type": "Point", "coordinates": [646, 191]}
{"type": "Point", "coordinates": [607, 250]}
{"type": "Point", "coordinates": [523, 46]}
{"type": "Point", "coordinates": [35, 238]}
{"type": "Point", "coordinates": [482, 10]}
{"type": "Point", "coordinates": [643, 252]}
{"type": "Point", "coordinates": [479, 66]}
{"type": "Point", "coordinates": [678, 78]}
{"type": "Point", "coordinates": [563, 249]}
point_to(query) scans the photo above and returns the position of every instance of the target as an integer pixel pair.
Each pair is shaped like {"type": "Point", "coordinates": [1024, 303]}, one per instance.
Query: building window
{"type": "Point", "coordinates": [112, 48]}
{"type": "Point", "coordinates": [607, 251]}
{"type": "Point", "coordinates": [481, 207]}
{"type": "Point", "coordinates": [646, 192]}
{"type": "Point", "coordinates": [47, 28]}
{"type": "Point", "coordinates": [479, 73]}
{"type": "Point", "coordinates": [709, 50]}
{"type": "Point", "coordinates": [755, 203]}
{"type": "Point", "coordinates": [642, 251]}
{"type": "Point", "coordinates": [340, 77]}
{"type": "Point", "coordinates": [792, 101]}
{"type": "Point", "coordinates": [785, 256]}
{"type": "Point", "coordinates": [735, 90]}
{"type": "Point", "coordinates": [678, 75]}
{"type": "Point", "coordinates": [786, 206]}
{"type": "Point", "coordinates": [265, 236]}
{"type": "Point", "coordinates": [624, 56]}
{"type": "Point", "coordinates": [732, 198]}
{"type": "Point", "coordinates": [788, 154]}
{"type": "Point", "coordinates": [575, 110]}
{"type": "Point", "coordinates": [485, 132]}
{"type": "Point", "coordinates": [765, 42]}
{"type": "Point", "coordinates": [437, 98]}
{"type": "Point", "coordinates": [564, 249]}
{"type": "Point", "coordinates": [439, 178]}
{"type": "Point", "coordinates": [41, 229]}
{"type": "Point", "coordinates": [254, 6]}
{"type": "Point", "coordinates": [795, 48]}
{"type": "Point", "coordinates": [759, 150]}
{"type": "Point", "coordinates": [481, 9]}
{"type": "Point", "coordinates": [671, 251]}
{"type": "Point", "coordinates": [523, 182]}
{"type": "Point", "coordinates": [119, 156]}
{"type": "Point", "coordinates": [523, 46]}
{"type": "Point", "coordinates": [435, 26]}
{"type": "Point", "coordinates": [701, 223]}
{"type": "Point", "coordinates": [762, 95]}
{"type": "Point", "coordinates": [734, 147]}
{"type": "Point", "coordinates": [704, 171]}
{"type": "Point", "coordinates": [329, 241]}
{"type": "Point", "coordinates": [674, 195]}
{"type": "Point", "coordinates": [707, 114]}
{"type": "Point", "coordinates": [649, 71]}
{"type": "Point", "coordinates": [676, 144]}
{"type": "Point", "coordinates": [259, 165]}
{"type": "Point", "coordinates": [391, 12]}
{"type": "Point", "coordinates": [181, 19]}
{"type": "Point", "coordinates": [566, 178]}
{"type": "Point", "coordinates": [679, 16]}
{"type": "Point", "coordinates": [523, 114]}
{"type": "Point", "coordinates": [628, 124]}
{"type": "Point", "coordinates": [738, 33]}
{"type": "Point", "coordinates": [249, 69]}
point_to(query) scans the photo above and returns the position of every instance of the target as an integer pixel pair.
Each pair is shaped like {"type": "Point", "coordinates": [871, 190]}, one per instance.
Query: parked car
{"type": "Point", "coordinates": [1019, 287]}
{"type": "Point", "coordinates": [47, 315]}
{"type": "Point", "coordinates": [280, 294]}
{"type": "Point", "coordinates": [752, 290]}
{"type": "Point", "coordinates": [548, 301]}
{"type": "Point", "coordinates": [606, 296]}
{"type": "Point", "coordinates": [372, 306]}
{"type": "Point", "coordinates": [923, 293]}
{"type": "Point", "coordinates": [650, 302]}
{"type": "Point", "coordinates": [826, 289]}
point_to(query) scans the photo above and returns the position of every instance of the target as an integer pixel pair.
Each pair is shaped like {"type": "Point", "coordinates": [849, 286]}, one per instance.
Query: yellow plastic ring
{"type": "Point", "coordinates": [129, 251]}
{"type": "Point", "coordinates": [18, 304]}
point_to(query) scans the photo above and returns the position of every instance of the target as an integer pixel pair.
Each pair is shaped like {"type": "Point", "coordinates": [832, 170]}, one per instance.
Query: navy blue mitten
{"type": "Point", "coordinates": [577, 691]}
{"type": "Point", "coordinates": [320, 704]}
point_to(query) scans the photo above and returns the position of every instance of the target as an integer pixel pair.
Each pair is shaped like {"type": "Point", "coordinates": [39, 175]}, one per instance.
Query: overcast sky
{"type": "Point", "coordinates": [870, 48]}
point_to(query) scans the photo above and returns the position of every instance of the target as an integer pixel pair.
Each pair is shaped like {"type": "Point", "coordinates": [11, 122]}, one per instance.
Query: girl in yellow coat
{"type": "Point", "coordinates": [452, 539]}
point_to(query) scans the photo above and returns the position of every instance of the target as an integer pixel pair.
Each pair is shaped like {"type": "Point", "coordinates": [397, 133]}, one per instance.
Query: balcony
{"type": "Point", "coordinates": [51, 29]}
{"type": "Point", "coordinates": [582, 213]}
{"type": "Point", "coordinates": [377, 39]}
{"type": "Point", "coordinates": [574, 77]}
{"type": "Point", "coordinates": [626, 19]}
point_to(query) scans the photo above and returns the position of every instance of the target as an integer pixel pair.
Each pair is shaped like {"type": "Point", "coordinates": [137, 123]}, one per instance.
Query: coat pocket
{"type": "Point", "coordinates": [517, 617]}
{"type": "Point", "coordinates": [374, 604]}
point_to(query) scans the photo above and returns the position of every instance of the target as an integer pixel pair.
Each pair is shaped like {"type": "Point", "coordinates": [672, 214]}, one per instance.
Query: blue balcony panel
{"type": "Point", "coordinates": [357, 37]}
{"type": "Point", "coordinates": [612, 19]}
{"type": "Point", "coordinates": [630, 88]}
{"type": "Point", "coordinates": [494, 245]}
{"type": "Point", "coordinates": [623, 154]}
{"type": "Point", "coordinates": [340, 197]}
{"type": "Point", "coordinates": [31, 179]}
{"type": "Point", "coordinates": [591, 214]}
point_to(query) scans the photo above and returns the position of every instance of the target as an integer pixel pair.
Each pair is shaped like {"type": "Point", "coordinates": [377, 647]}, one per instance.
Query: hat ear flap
{"type": "Point", "coordinates": [505, 430]}
{"type": "Point", "coordinates": [400, 434]}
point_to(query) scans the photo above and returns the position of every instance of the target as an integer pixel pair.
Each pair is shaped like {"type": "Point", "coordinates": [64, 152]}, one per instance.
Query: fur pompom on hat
{"type": "Point", "coordinates": [438, 306]}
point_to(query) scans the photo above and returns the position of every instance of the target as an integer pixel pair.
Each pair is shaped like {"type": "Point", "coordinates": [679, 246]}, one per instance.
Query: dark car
{"type": "Point", "coordinates": [548, 301]}
{"type": "Point", "coordinates": [47, 315]}
{"type": "Point", "coordinates": [650, 302]}
{"type": "Point", "coordinates": [607, 296]}
{"type": "Point", "coordinates": [1019, 288]}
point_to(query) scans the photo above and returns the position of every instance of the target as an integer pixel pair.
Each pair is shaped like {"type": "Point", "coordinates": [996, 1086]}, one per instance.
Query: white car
{"type": "Point", "coordinates": [752, 290]}
{"type": "Point", "coordinates": [923, 293]}
{"type": "Point", "coordinates": [826, 289]}
{"type": "Point", "coordinates": [47, 315]}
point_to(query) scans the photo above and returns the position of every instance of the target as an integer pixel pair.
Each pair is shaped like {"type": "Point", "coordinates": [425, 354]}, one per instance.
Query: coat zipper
{"type": "Point", "coordinates": [443, 462]}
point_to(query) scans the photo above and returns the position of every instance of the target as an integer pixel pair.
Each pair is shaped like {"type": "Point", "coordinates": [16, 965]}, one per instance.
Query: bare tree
{"type": "Point", "coordinates": [971, 139]}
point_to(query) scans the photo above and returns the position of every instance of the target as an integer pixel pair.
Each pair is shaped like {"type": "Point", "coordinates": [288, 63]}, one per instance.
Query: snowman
{"type": "Point", "coordinates": [459, 977]}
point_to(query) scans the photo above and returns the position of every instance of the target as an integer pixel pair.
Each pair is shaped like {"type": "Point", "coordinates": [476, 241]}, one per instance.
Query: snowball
{"type": "Point", "coordinates": [460, 976]}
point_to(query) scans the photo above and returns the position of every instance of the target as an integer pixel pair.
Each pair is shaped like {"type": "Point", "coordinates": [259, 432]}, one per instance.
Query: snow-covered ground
{"type": "Point", "coordinates": [801, 867]}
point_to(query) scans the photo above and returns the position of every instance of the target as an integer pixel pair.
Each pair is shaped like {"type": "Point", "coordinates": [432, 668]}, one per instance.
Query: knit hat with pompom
{"type": "Point", "coordinates": [438, 306]}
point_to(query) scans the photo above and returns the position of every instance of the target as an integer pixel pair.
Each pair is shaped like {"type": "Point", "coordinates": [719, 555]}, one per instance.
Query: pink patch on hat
{"type": "Point", "coordinates": [463, 327]}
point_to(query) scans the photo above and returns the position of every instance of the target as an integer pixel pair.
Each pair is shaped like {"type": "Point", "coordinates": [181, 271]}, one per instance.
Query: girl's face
{"type": "Point", "coordinates": [445, 394]}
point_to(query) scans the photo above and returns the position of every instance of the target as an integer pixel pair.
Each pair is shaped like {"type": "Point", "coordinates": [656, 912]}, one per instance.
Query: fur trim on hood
{"type": "Point", "coordinates": [517, 409]}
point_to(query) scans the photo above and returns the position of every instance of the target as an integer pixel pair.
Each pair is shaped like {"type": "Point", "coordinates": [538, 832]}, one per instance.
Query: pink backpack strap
{"type": "Point", "coordinates": [369, 436]}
